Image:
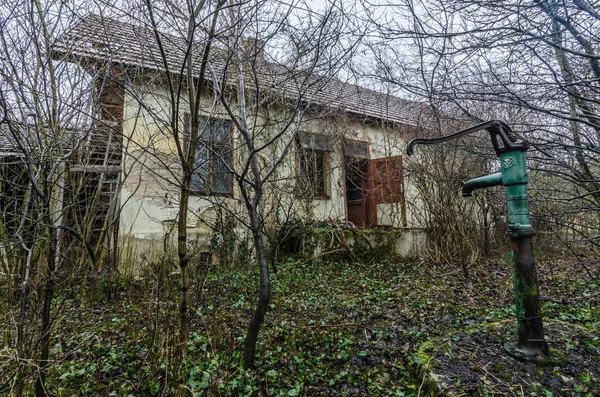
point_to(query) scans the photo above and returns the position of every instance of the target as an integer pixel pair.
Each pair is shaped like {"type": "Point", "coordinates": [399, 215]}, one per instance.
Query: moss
{"type": "Point", "coordinates": [428, 346]}
{"type": "Point", "coordinates": [348, 233]}
{"type": "Point", "coordinates": [368, 232]}
{"type": "Point", "coordinates": [332, 242]}
{"type": "Point", "coordinates": [424, 363]}
{"type": "Point", "coordinates": [424, 359]}
{"type": "Point", "coordinates": [557, 357]}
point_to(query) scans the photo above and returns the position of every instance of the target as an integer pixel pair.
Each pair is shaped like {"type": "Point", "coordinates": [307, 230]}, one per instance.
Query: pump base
{"type": "Point", "coordinates": [530, 354]}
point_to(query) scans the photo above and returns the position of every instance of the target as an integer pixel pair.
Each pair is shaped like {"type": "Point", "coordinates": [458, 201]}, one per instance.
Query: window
{"type": "Point", "coordinates": [356, 149]}
{"type": "Point", "coordinates": [313, 181]}
{"type": "Point", "coordinates": [213, 159]}
{"type": "Point", "coordinates": [313, 165]}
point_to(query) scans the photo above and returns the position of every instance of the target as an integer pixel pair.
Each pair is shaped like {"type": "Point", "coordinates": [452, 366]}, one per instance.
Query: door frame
{"type": "Point", "coordinates": [345, 164]}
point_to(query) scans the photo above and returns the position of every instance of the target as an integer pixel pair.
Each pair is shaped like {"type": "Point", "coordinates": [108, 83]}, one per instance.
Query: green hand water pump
{"type": "Point", "coordinates": [513, 176]}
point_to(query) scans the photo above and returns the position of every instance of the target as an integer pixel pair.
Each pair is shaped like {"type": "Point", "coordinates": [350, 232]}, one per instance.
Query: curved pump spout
{"type": "Point", "coordinates": [480, 183]}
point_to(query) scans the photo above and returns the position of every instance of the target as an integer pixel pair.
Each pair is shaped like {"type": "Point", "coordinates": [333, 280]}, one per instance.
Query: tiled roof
{"type": "Point", "coordinates": [10, 147]}
{"type": "Point", "coordinates": [103, 39]}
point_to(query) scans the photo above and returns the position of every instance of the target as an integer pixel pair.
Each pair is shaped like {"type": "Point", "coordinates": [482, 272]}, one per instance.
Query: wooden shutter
{"type": "Point", "coordinates": [387, 184]}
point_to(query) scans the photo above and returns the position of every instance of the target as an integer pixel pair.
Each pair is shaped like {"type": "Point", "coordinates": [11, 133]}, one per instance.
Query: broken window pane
{"type": "Point", "coordinates": [315, 142]}
{"type": "Point", "coordinates": [356, 178]}
{"type": "Point", "coordinates": [220, 176]}
{"type": "Point", "coordinates": [313, 173]}
{"type": "Point", "coordinates": [199, 181]}
{"type": "Point", "coordinates": [356, 149]}
{"type": "Point", "coordinates": [213, 159]}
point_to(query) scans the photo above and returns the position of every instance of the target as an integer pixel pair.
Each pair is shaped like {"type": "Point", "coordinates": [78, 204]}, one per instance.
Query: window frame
{"type": "Point", "coordinates": [302, 179]}
{"type": "Point", "coordinates": [211, 156]}
{"type": "Point", "coordinates": [366, 144]}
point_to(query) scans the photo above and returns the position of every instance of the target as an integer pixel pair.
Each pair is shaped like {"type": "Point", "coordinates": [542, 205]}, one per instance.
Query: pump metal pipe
{"type": "Point", "coordinates": [481, 183]}
{"type": "Point", "coordinates": [530, 327]}
{"type": "Point", "coordinates": [513, 176]}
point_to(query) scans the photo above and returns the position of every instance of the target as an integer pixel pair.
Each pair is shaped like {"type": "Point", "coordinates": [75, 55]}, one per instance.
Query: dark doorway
{"type": "Point", "coordinates": [357, 172]}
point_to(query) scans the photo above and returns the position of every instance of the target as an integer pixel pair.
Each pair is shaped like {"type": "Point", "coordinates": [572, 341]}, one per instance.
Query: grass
{"type": "Point", "coordinates": [332, 329]}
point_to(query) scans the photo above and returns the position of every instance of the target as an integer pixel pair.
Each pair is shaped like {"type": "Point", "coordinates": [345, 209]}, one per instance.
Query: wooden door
{"type": "Point", "coordinates": [386, 185]}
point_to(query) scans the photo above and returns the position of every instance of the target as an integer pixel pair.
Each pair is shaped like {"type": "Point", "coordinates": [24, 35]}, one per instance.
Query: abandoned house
{"type": "Point", "coordinates": [344, 165]}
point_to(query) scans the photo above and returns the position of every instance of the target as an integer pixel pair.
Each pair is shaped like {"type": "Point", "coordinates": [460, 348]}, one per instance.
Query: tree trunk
{"type": "Point", "coordinates": [40, 389]}
{"type": "Point", "coordinates": [574, 102]}
{"type": "Point", "coordinates": [184, 258]}
{"type": "Point", "coordinates": [264, 292]}
{"type": "Point", "coordinates": [23, 319]}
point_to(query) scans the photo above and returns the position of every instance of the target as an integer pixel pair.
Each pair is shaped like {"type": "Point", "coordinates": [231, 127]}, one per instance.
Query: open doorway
{"type": "Point", "coordinates": [356, 170]}
{"type": "Point", "coordinates": [373, 185]}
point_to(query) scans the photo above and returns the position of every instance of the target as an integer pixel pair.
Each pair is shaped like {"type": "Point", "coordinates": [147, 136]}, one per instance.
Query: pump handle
{"type": "Point", "coordinates": [496, 128]}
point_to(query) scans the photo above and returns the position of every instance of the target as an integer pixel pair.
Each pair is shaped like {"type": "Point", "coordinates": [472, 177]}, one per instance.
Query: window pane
{"type": "Point", "coordinates": [313, 172]}
{"type": "Point", "coordinates": [356, 177]}
{"type": "Point", "coordinates": [356, 149]}
{"type": "Point", "coordinates": [220, 175]}
{"type": "Point", "coordinates": [213, 158]}
{"type": "Point", "coordinates": [216, 131]}
{"type": "Point", "coordinates": [315, 141]}
{"type": "Point", "coordinates": [319, 175]}
{"type": "Point", "coordinates": [305, 164]}
{"type": "Point", "coordinates": [200, 174]}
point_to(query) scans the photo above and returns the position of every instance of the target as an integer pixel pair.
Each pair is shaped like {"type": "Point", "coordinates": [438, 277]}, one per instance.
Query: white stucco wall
{"type": "Point", "coordinates": [150, 192]}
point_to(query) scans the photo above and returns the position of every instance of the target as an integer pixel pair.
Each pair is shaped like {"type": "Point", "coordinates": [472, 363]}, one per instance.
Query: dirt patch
{"type": "Point", "coordinates": [472, 361]}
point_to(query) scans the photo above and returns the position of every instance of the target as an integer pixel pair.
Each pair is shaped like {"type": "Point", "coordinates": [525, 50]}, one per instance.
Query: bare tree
{"type": "Point", "coordinates": [533, 64]}
{"type": "Point", "coordinates": [47, 111]}
{"type": "Point", "coordinates": [191, 76]}
{"type": "Point", "coordinates": [204, 106]}
{"type": "Point", "coordinates": [272, 101]}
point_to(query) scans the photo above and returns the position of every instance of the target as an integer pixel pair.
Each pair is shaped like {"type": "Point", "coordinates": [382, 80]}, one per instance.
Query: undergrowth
{"type": "Point", "coordinates": [332, 329]}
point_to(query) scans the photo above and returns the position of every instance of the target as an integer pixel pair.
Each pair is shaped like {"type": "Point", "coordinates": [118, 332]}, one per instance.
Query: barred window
{"type": "Point", "coordinates": [313, 165]}
{"type": "Point", "coordinates": [213, 160]}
